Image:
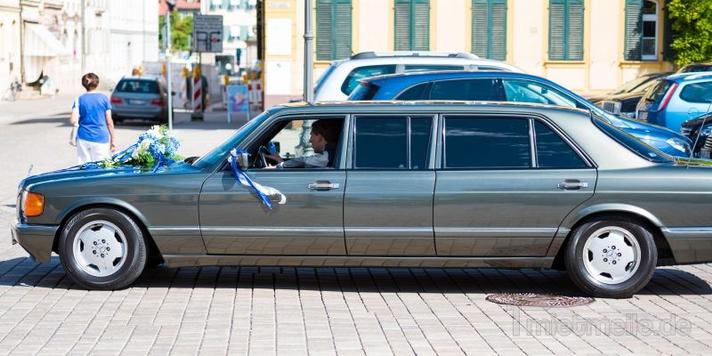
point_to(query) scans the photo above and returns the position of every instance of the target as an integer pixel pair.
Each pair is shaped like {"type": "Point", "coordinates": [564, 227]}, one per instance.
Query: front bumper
{"type": "Point", "coordinates": [35, 239]}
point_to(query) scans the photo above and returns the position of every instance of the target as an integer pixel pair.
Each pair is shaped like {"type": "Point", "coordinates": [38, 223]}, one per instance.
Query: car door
{"type": "Point", "coordinates": [233, 221]}
{"type": "Point", "coordinates": [505, 184]}
{"type": "Point", "coordinates": [694, 100]}
{"type": "Point", "coordinates": [389, 196]}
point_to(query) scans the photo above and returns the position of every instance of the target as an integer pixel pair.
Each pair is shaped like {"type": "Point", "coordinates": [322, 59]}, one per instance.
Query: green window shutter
{"type": "Point", "coordinates": [566, 22]}
{"type": "Point", "coordinates": [557, 29]}
{"type": "Point", "coordinates": [402, 25]}
{"type": "Point", "coordinates": [575, 30]}
{"type": "Point", "coordinates": [633, 29]}
{"type": "Point", "coordinates": [498, 27]}
{"type": "Point", "coordinates": [489, 28]}
{"type": "Point", "coordinates": [421, 25]}
{"type": "Point", "coordinates": [333, 29]}
{"type": "Point", "coordinates": [342, 29]}
{"type": "Point", "coordinates": [480, 28]}
{"type": "Point", "coordinates": [412, 25]}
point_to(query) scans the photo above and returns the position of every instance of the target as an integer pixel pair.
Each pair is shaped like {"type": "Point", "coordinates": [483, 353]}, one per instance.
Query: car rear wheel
{"type": "Point", "coordinates": [102, 249]}
{"type": "Point", "coordinates": [611, 257]}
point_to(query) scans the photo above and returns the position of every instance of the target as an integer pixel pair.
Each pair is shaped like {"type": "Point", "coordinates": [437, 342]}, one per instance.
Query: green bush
{"type": "Point", "coordinates": [691, 22]}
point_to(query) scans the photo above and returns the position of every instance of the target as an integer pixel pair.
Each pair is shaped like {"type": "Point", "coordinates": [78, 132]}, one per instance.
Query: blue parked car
{"type": "Point", "coordinates": [508, 86]}
{"type": "Point", "coordinates": [676, 99]}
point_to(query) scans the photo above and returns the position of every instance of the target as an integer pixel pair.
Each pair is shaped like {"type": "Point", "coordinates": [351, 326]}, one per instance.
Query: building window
{"type": "Point", "coordinates": [641, 30]}
{"type": "Point", "coordinates": [489, 28]}
{"type": "Point", "coordinates": [333, 29]}
{"type": "Point", "coordinates": [412, 25]}
{"type": "Point", "coordinates": [566, 30]}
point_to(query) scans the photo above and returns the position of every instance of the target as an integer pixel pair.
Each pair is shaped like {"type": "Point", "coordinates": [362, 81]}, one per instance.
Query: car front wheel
{"type": "Point", "coordinates": [611, 257]}
{"type": "Point", "coordinates": [102, 249]}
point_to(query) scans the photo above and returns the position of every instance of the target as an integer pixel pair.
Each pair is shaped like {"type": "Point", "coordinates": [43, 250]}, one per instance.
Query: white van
{"type": "Point", "coordinates": [343, 76]}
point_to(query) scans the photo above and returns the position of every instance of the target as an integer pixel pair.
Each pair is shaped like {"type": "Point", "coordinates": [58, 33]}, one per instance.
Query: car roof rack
{"type": "Point", "coordinates": [372, 54]}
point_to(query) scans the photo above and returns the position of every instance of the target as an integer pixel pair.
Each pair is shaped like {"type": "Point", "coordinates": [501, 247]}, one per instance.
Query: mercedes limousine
{"type": "Point", "coordinates": [419, 184]}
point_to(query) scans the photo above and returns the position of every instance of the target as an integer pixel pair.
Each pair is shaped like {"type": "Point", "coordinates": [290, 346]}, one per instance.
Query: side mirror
{"type": "Point", "coordinates": [243, 160]}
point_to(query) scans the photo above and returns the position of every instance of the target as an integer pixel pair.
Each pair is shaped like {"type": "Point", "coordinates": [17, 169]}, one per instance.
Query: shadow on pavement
{"type": "Point", "coordinates": [62, 119]}
{"type": "Point", "coordinates": [22, 271]}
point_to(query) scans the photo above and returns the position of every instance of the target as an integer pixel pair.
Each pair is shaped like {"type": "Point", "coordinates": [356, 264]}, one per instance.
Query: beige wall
{"type": "Point", "coordinates": [601, 69]}
{"type": "Point", "coordinates": [9, 42]}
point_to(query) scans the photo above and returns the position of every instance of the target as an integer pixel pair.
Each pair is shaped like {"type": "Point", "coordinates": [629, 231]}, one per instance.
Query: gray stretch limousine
{"type": "Point", "coordinates": [386, 184]}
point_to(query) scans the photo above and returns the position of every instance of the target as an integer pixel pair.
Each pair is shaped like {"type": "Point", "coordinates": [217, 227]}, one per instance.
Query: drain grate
{"type": "Point", "coordinates": [538, 300]}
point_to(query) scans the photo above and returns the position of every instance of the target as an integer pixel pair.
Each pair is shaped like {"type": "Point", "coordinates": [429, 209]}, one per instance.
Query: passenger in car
{"type": "Point", "coordinates": [323, 138]}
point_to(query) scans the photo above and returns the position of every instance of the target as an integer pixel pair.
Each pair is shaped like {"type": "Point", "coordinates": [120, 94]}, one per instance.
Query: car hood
{"type": "Point", "coordinates": [79, 172]}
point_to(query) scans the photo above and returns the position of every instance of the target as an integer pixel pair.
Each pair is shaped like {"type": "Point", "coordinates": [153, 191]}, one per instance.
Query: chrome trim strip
{"type": "Point", "coordinates": [687, 230]}
{"type": "Point", "coordinates": [273, 229]}
{"type": "Point", "coordinates": [494, 231]}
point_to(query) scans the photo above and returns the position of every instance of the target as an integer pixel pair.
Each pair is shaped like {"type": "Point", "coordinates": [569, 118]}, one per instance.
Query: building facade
{"type": "Point", "coordinates": [132, 31]}
{"type": "Point", "coordinates": [10, 24]}
{"type": "Point", "coordinates": [239, 39]}
{"type": "Point", "coordinates": [586, 45]}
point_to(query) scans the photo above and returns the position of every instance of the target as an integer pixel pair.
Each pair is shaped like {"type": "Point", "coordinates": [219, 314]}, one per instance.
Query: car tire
{"type": "Point", "coordinates": [102, 249]}
{"type": "Point", "coordinates": [612, 257]}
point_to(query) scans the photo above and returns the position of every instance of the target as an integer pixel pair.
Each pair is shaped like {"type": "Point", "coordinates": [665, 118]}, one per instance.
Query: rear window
{"type": "Point", "coordinates": [658, 91]}
{"type": "Point", "coordinates": [697, 68]}
{"type": "Point", "coordinates": [353, 79]}
{"type": "Point", "coordinates": [137, 86]}
{"type": "Point", "coordinates": [697, 93]}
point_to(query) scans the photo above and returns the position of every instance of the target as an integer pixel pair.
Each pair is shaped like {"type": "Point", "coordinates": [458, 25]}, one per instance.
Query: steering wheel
{"type": "Point", "coordinates": [261, 152]}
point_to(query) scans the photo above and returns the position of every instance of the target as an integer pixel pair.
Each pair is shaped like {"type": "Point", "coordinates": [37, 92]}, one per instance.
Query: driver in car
{"type": "Point", "coordinates": [323, 138]}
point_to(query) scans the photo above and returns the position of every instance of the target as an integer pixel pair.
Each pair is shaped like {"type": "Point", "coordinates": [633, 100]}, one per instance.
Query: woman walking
{"type": "Point", "coordinates": [92, 113]}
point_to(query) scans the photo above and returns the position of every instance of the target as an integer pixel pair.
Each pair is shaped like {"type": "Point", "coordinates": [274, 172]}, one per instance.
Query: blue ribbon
{"type": "Point", "coordinates": [237, 172]}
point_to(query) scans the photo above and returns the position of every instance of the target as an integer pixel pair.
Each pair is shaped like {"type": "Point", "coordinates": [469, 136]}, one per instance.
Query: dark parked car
{"type": "Point", "coordinates": [140, 97]}
{"type": "Point", "coordinates": [699, 130]}
{"type": "Point", "coordinates": [637, 85]}
{"type": "Point", "coordinates": [506, 86]}
{"type": "Point", "coordinates": [412, 184]}
{"type": "Point", "coordinates": [696, 67]}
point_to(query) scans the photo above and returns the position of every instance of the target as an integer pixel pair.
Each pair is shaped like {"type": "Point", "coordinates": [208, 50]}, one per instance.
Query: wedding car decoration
{"type": "Point", "coordinates": [263, 192]}
{"type": "Point", "coordinates": [153, 149]}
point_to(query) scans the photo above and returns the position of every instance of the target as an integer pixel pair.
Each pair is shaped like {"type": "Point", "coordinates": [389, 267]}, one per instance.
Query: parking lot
{"type": "Point", "coordinates": [263, 311]}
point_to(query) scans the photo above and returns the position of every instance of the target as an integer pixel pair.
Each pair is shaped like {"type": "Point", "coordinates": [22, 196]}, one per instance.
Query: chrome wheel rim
{"type": "Point", "coordinates": [611, 255]}
{"type": "Point", "coordinates": [100, 248]}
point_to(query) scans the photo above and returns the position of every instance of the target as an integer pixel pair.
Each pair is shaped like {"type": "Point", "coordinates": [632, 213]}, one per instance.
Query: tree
{"type": "Point", "coordinates": [691, 22]}
{"type": "Point", "coordinates": [181, 30]}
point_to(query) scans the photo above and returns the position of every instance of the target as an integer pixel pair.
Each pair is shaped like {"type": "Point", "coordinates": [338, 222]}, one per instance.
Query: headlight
{"type": "Point", "coordinates": [679, 145]}
{"type": "Point", "coordinates": [706, 131]}
{"type": "Point", "coordinates": [32, 204]}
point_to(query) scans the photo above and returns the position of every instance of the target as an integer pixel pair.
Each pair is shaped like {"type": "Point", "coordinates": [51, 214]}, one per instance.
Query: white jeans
{"type": "Point", "coordinates": [88, 151]}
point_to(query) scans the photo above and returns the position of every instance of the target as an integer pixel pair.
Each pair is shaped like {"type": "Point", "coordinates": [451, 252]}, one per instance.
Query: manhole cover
{"type": "Point", "coordinates": [538, 300]}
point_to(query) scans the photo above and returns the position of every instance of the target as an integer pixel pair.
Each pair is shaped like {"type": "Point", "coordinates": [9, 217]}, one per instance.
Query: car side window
{"type": "Point", "coordinates": [418, 92]}
{"type": "Point", "coordinates": [486, 143]}
{"type": "Point", "coordinates": [467, 89]}
{"type": "Point", "coordinates": [553, 152]}
{"type": "Point", "coordinates": [697, 93]}
{"type": "Point", "coordinates": [382, 142]}
{"type": "Point", "coordinates": [352, 80]}
{"type": "Point", "coordinates": [530, 92]}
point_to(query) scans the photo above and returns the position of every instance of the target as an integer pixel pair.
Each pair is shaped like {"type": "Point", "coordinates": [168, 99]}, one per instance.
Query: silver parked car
{"type": "Point", "coordinates": [406, 184]}
{"type": "Point", "coordinates": [140, 97]}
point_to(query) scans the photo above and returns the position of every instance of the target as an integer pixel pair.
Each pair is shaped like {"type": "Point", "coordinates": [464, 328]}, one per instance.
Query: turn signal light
{"type": "Point", "coordinates": [34, 204]}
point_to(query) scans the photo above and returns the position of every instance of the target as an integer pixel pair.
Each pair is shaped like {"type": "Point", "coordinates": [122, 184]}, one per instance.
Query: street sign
{"type": "Point", "coordinates": [207, 33]}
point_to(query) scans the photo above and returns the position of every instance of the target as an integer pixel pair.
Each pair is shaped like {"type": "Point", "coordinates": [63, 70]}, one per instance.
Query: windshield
{"type": "Point", "coordinates": [629, 86]}
{"type": "Point", "coordinates": [632, 143]}
{"type": "Point", "coordinates": [218, 153]}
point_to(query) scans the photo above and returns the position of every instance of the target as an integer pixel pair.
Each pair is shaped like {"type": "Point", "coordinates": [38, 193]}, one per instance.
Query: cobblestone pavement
{"type": "Point", "coordinates": [325, 311]}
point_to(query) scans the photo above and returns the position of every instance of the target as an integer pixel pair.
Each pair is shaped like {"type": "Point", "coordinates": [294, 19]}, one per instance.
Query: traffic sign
{"type": "Point", "coordinates": [207, 33]}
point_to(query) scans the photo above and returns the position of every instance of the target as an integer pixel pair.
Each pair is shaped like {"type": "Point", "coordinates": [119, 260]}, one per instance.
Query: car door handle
{"type": "Point", "coordinates": [323, 185]}
{"type": "Point", "coordinates": [572, 184]}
